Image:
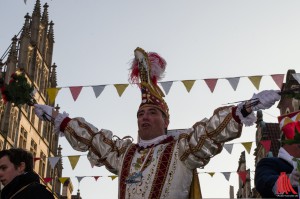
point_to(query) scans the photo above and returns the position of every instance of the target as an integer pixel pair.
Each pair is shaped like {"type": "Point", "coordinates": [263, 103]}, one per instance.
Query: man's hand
{"type": "Point", "coordinates": [294, 178]}
{"type": "Point", "coordinates": [266, 99]}
{"type": "Point", "coordinates": [44, 112]}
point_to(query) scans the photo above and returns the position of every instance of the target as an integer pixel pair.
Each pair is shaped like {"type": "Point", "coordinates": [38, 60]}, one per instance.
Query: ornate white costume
{"type": "Point", "coordinates": [161, 171]}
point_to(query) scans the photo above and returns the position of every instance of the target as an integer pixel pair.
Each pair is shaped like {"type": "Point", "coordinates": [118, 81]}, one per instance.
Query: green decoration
{"type": "Point", "coordinates": [18, 91]}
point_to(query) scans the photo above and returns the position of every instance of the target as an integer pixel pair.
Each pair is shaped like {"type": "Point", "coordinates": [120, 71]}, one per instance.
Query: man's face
{"type": "Point", "coordinates": [8, 171]}
{"type": "Point", "coordinates": [151, 123]}
{"type": "Point", "coordinates": [293, 149]}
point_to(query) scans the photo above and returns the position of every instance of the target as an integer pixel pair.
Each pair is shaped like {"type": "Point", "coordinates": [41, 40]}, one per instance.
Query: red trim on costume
{"type": "Point", "coordinates": [162, 171]}
{"type": "Point", "coordinates": [235, 117]}
{"type": "Point", "coordinates": [64, 124]}
{"type": "Point", "coordinates": [126, 169]}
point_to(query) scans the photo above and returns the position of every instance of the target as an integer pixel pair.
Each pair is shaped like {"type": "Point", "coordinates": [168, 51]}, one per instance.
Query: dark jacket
{"type": "Point", "coordinates": [266, 174]}
{"type": "Point", "coordinates": [26, 186]}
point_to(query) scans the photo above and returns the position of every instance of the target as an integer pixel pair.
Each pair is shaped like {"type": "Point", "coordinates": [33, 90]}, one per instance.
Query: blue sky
{"type": "Point", "coordinates": [94, 44]}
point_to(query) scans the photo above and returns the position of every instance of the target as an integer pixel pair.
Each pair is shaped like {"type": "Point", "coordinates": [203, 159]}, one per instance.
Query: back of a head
{"type": "Point", "coordinates": [18, 155]}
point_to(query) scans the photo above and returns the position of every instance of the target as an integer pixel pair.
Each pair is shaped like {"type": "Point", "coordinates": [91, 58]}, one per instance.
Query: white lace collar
{"type": "Point", "coordinates": [146, 143]}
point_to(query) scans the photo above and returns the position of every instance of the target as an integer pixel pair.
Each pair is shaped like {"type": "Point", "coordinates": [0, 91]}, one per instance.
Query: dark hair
{"type": "Point", "coordinates": [18, 155]}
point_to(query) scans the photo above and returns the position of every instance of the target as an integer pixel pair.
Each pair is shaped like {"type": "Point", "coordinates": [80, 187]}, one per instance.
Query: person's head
{"type": "Point", "coordinates": [152, 122]}
{"type": "Point", "coordinates": [14, 162]}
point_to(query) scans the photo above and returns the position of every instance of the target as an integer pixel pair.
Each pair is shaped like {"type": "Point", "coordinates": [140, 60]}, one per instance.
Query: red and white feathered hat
{"type": "Point", "coordinates": [290, 126]}
{"type": "Point", "coordinates": [146, 70]}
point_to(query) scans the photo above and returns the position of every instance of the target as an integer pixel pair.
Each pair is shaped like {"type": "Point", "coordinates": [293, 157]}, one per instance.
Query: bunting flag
{"type": "Point", "coordinates": [46, 180]}
{"type": "Point", "coordinates": [166, 86]}
{"type": "Point", "coordinates": [35, 159]}
{"type": "Point", "coordinates": [96, 177]}
{"type": "Point", "coordinates": [266, 144]}
{"type": "Point", "coordinates": [278, 79]}
{"type": "Point", "coordinates": [211, 83]}
{"type": "Point", "coordinates": [53, 161]}
{"type": "Point", "coordinates": [243, 175]}
{"type": "Point", "coordinates": [247, 146]}
{"type": "Point", "coordinates": [255, 81]}
{"type": "Point", "coordinates": [112, 177]}
{"type": "Point", "coordinates": [120, 88]}
{"type": "Point", "coordinates": [188, 84]}
{"type": "Point", "coordinates": [211, 173]}
{"type": "Point", "coordinates": [75, 91]}
{"type": "Point", "coordinates": [79, 178]}
{"type": "Point", "coordinates": [62, 180]}
{"type": "Point", "coordinates": [234, 81]}
{"type": "Point", "coordinates": [297, 77]}
{"type": "Point", "coordinates": [228, 147]}
{"type": "Point", "coordinates": [74, 160]}
{"type": "Point", "coordinates": [226, 175]}
{"type": "Point", "coordinates": [98, 90]}
{"type": "Point", "coordinates": [52, 93]}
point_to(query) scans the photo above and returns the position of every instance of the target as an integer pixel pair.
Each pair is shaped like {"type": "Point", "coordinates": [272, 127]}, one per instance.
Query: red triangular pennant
{"type": "Point", "coordinates": [243, 175]}
{"type": "Point", "coordinates": [46, 180]}
{"type": "Point", "coordinates": [266, 144]}
{"type": "Point", "coordinates": [278, 79]}
{"type": "Point", "coordinates": [211, 83]}
{"type": "Point", "coordinates": [75, 91]}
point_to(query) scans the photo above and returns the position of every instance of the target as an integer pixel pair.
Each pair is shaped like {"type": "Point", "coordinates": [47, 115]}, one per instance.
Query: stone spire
{"type": "Point", "coordinates": [45, 17]}
{"type": "Point", "coordinates": [53, 76]}
{"type": "Point", "coordinates": [26, 27]}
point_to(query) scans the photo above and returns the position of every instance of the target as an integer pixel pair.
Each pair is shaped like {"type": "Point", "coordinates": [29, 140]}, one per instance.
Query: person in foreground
{"type": "Point", "coordinates": [159, 165]}
{"type": "Point", "coordinates": [279, 176]}
{"type": "Point", "coordinates": [18, 178]}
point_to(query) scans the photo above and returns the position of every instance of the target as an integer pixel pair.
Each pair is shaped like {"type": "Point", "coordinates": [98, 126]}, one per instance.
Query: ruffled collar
{"type": "Point", "coordinates": [143, 144]}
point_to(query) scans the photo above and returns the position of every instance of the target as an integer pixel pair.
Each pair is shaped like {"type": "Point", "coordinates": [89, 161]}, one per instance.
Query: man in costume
{"type": "Point", "coordinates": [151, 168]}
{"type": "Point", "coordinates": [279, 176]}
{"type": "Point", "coordinates": [18, 177]}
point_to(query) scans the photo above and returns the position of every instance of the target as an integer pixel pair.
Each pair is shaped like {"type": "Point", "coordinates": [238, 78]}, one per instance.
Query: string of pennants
{"type": "Point", "coordinates": [73, 159]}
{"type": "Point", "coordinates": [211, 83]}
{"type": "Point", "coordinates": [241, 174]}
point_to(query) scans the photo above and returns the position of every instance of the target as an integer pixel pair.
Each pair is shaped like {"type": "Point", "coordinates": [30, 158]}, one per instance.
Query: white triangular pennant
{"type": "Point", "coordinates": [166, 86]}
{"type": "Point", "coordinates": [98, 90]}
{"type": "Point", "coordinates": [53, 161]}
{"type": "Point", "coordinates": [297, 77]}
{"type": "Point", "coordinates": [228, 147]}
{"type": "Point", "coordinates": [79, 178]}
{"type": "Point", "coordinates": [227, 175]}
{"type": "Point", "coordinates": [234, 81]}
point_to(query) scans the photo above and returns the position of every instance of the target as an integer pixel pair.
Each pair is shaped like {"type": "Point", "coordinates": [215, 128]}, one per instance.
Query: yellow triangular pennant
{"type": "Point", "coordinates": [211, 173]}
{"type": "Point", "coordinates": [188, 84]}
{"type": "Point", "coordinates": [74, 160]}
{"type": "Point", "coordinates": [112, 177]}
{"type": "Point", "coordinates": [63, 179]}
{"type": "Point", "coordinates": [255, 81]}
{"type": "Point", "coordinates": [247, 146]}
{"type": "Point", "coordinates": [120, 88]}
{"type": "Point", "coordinates": [52, 93]}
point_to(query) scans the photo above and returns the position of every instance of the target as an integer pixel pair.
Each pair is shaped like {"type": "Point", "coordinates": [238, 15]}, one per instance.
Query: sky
{"type": "Point", "coordinates": [200, 39]}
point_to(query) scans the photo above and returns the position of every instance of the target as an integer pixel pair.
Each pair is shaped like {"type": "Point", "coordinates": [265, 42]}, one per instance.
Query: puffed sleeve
{"type": "Point", "coordinates": [102, 148]}
{"type": "Point", "coordinates": [208, 136]}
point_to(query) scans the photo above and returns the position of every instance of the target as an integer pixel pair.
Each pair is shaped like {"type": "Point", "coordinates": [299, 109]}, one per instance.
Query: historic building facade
{"type": "Point", "coordinates": [31, 50]}
{"type": "Point", "coordinates": [270, 131]}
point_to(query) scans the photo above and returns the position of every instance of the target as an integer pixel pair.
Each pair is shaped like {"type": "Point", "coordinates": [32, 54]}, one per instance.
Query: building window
{"type": "Point", "coordinates": [12, 124]}
{"type": "Point", "coordinates": [23, 138]}
{"type": "Point", "coordinates": [42, 165]}
{"type": "Point", "coordinates": [32, 116]}
{"type": "Point", "coordinates": [33, 148]}
{"type": "Point", "coordinates": [1, 144]}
